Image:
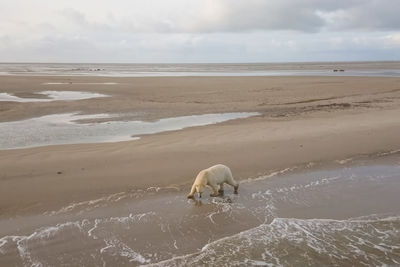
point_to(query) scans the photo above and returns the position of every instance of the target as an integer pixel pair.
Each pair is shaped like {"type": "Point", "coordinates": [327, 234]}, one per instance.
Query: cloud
{"type": "Point", "coordinates": [392, 40]}
{"type": "Point", "coordinates": [369, 15]}
{"type": "Point", "coordinates": [204, 16]}
{"type": "Point", "coordinates": [238, 16]}
{"type": "Point", "coordinates": [297, 15]}
{"type": "Point", "coordinates": [201, 30]}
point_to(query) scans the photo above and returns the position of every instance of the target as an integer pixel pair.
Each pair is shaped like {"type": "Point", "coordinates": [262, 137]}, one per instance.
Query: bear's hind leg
{"type": "Point", "coordinates": [236, 187]}
{"type": "Point", "coordinates": [234, 184]}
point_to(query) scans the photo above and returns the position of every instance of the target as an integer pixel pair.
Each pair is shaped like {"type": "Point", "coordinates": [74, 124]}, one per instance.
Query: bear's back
{"type": "Point", "coordinates": [218, 172]}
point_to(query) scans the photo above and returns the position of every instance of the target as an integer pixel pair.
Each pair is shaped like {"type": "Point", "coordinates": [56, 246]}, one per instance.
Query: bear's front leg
{"type": "Point", "coordinates": [221, 188]}
{"type": "Point", "coordinates": [192, 191]}
{"type": "Point", "coordinates": [215, 190]}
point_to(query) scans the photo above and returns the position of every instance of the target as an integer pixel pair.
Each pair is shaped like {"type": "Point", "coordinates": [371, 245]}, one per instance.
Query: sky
{"type": "Point", "coordinates": [173, 31]}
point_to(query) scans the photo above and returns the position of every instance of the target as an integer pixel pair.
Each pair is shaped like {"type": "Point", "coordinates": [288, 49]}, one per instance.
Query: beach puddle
{"type": "Point", "coordinates": [74, 128]}
{"type": "Point", "coordinates": [62, 83]}
{"type": "Point", "coordinates": [347, 214]}
{"type": "Point", "coordinates": [48, 96]}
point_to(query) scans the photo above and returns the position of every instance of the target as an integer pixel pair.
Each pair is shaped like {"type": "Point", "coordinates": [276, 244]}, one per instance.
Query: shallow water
{"type": "Point", "coordinates": [48, 96]}
{"type": "Point", "coordinates": [338, 214]}
{"type": "Point", "coordinates": [385, 69]}
{"type": "Point", "coordinates": [74, 128]}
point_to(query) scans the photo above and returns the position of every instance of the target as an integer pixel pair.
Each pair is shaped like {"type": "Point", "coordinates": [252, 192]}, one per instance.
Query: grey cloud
{"type": "Point", "coordinates": [253, 15]}
{"type": "Point", "coordinates": [367, 15]}
{"type": "Point", "coordinates": [207, 30]}
{"type": "Point", "coordinates": [263, 15]}
{"type": "Point", "coordinates": [113, 23]}
{"type": "Point", "coordinates": [74, 16]}
{"type": "Point", "coordinates": [304, 15]}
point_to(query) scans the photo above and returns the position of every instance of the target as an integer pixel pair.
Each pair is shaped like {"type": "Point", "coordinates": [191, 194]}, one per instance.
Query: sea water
{"type": "Point", "coordinates": [344, 213]}
{"type": "Point", "coordinates": [204, 69]}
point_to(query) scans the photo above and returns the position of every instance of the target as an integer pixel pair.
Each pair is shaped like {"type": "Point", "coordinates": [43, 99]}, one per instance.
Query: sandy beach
{"type": "Point", "coordinates": [301, 121]}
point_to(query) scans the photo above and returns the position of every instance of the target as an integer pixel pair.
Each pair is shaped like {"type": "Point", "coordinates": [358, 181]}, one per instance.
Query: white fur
{"type": "Point", "coordinates": [214, 177]}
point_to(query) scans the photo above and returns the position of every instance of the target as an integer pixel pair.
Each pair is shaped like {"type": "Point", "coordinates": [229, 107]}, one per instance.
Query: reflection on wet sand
{"type": "Point", "coordinates": [75, 128]}
{"type": "Point", "coordinates": [48, 96]}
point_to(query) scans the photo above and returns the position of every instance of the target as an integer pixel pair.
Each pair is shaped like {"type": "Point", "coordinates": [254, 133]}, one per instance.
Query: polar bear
{"type": "Point", "coordinates": [214, 177]}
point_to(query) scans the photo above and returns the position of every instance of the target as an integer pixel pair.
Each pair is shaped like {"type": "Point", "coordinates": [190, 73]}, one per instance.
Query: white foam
{"type": "Point", "coordinates": [363, 241]}
{"type": "Point", "coordinates": [44, 233]}
{"type": "Point", "coordinates": [320, 182]}
{"type": "Point", "coordinates": [115, 246]}
{"type": "Point", "coordinates": [52, 96]}
{"type": "Point", "coordinates": [86, 228]}
{"type": "Point", "coordinates": [118, 220]}
{"type": "Point", "coordinates": [89, 204]}
{"type": "Point", "coordinates": [344, 161]}
{"type": "Point", "coordinates": [272, 174]}
{"type": "Point", "coordinates": [3, 242]}
{"type": "Point", "coordinates": [391, 152]}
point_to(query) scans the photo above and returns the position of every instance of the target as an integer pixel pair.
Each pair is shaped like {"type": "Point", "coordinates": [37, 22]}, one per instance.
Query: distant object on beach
{"type": "Point", "coordinates": [336, 70]}
{"type": "Point", "coordinates": [214, 177]}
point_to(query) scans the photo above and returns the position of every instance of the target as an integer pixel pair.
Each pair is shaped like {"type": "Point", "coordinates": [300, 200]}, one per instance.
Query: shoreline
{"type": "Point", "coordinates": [286, 204]}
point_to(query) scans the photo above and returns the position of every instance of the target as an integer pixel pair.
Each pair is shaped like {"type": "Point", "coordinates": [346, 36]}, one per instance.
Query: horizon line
{"type": "Point", "coordinates": [177, 63]}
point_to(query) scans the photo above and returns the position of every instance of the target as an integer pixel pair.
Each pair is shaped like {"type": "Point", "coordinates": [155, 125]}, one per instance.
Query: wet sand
{"type": "Point", "coordinates": [303, 121]}
{"type": "Point", "coordinates": [333, 213]}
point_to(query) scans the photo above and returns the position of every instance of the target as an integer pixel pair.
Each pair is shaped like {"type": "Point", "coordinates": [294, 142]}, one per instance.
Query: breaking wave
{"type": "Point", "coordinates": [299, 242]}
